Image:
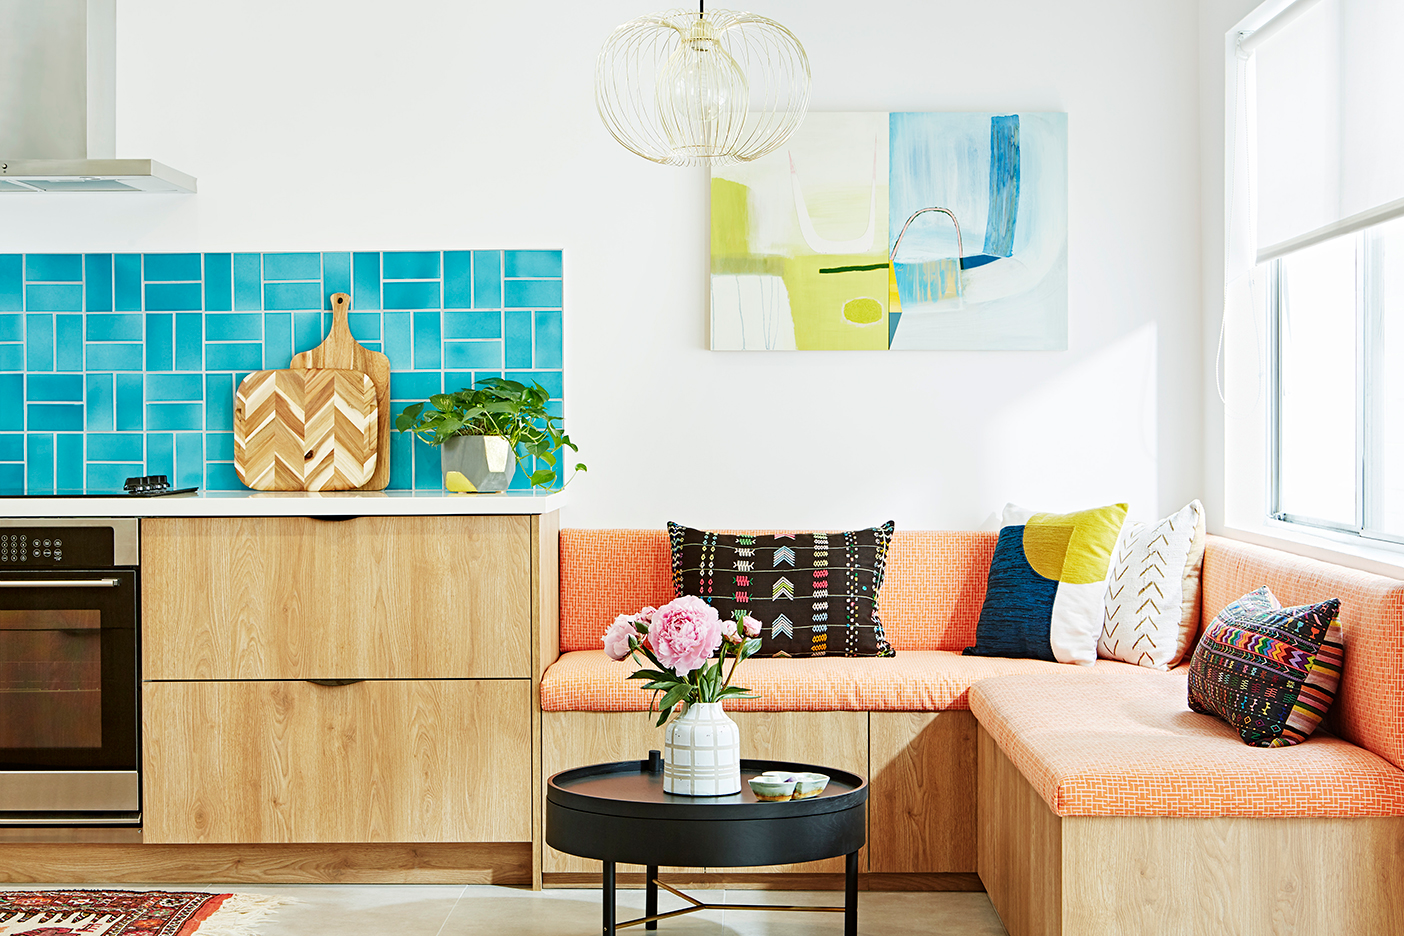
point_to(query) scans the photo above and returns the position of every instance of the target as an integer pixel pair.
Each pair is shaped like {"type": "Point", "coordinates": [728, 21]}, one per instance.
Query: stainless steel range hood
{"type": "Point", "coordinates": [58, 103]}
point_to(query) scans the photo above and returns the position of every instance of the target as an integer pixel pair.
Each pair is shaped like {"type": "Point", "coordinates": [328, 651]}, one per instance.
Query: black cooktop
{"type": "Point", "coordinates": [147, 486]}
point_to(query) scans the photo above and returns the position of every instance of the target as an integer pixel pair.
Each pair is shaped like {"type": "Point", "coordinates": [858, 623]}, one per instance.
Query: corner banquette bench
{"type": "Point", "coordinates": [1087, 799]}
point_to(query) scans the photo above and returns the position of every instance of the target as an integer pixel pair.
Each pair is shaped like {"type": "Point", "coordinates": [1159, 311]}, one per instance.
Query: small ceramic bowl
{"type": "Point", "coordinates": [809, 784]}
{"type": "Point", "coordinates": [772, 789]}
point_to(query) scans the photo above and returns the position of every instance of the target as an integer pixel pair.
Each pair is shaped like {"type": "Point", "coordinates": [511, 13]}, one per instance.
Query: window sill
{"type": "Point", "coordinates": [1341, 548]}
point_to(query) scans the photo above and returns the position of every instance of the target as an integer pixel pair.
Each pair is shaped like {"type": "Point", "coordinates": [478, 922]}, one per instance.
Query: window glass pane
{"type": "Point", "coordinates": [1316, 394]}
{"type": "Point", "coordinates": [1385, 286]}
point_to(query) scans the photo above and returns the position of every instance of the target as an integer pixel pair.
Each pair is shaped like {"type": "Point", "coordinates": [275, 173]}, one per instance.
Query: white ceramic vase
{"type": "Point", "coordinates": [702, 752]}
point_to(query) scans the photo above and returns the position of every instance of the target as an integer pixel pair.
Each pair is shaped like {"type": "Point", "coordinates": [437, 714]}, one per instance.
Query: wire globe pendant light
{"type": "Point", "coordinates": [704, 88]}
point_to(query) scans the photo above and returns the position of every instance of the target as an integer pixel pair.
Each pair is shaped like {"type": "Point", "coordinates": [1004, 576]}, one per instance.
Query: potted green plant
{"type": "Point", "coordinates": [484, 432]}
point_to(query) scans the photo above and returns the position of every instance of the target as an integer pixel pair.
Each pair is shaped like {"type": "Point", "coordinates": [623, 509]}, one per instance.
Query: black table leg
{"type": "Point", "coordinates": [850, 896]}
{"type": "Point", "coordinates": [651, 896]}
{"type": "Point", "coordinates": [608, 898]}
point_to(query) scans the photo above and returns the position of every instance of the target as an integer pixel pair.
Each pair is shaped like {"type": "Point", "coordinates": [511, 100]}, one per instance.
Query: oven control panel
{"type": "Point", "coordinates": [55, 547]}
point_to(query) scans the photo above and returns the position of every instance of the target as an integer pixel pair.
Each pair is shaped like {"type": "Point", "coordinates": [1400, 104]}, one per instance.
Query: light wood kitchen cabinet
{"type": "Point", "coordinates": [367, 598]}
{"type": "Point", "coordinates": [444, 760]}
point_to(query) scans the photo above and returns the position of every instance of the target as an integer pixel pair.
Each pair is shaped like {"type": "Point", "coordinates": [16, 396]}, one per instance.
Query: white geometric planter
{"type": "Point", "coordinates": [702, 753]}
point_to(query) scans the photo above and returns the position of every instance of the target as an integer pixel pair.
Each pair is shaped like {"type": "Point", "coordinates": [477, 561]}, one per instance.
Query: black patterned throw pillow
{"type": "Point", "coordinates": [815, 594]}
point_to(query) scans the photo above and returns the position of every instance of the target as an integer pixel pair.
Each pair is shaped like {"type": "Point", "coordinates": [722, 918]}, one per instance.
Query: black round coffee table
{"type": "Point", "coordinates": [619, 813]}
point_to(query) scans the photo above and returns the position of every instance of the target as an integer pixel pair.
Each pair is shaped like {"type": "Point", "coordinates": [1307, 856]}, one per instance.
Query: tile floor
{"type": "Point", "coordinates": [455, 910]}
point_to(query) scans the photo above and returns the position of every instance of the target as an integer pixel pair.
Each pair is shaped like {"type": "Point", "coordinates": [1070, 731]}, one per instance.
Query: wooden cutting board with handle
{"type": "Point", "coordinates": [305, 430]}
{"type": "Point", "coordinates": [342, 351]}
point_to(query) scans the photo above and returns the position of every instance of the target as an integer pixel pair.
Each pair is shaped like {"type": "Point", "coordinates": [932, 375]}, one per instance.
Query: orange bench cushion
{"type": "Point", "coordinates": [912, 681]}
{"type": "Point", "coordinates": [1118, 743]}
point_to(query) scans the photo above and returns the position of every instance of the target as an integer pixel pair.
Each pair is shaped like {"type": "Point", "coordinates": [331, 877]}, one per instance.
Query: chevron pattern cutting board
{"type": "Point", "coordinates": [305, 430]}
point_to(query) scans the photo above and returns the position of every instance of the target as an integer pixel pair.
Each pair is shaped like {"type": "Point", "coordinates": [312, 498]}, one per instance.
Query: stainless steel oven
{"type": "Point", "coordinates": [69, 680]}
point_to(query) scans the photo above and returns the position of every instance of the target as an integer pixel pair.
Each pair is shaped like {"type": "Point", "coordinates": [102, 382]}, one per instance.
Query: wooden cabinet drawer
{"type": "Point", "coordinates": [378, 761]}
{"type": "Point", "coordinates": [369, 598]}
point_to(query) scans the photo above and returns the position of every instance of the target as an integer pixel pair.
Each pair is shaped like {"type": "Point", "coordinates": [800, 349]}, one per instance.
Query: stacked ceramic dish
{"type": "Point", "coordinates": [775, 786]}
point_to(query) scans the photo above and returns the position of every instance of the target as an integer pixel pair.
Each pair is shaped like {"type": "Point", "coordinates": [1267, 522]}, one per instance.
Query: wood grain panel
{"type": "Point", "coordinates": [922, 814]}
{"type": "Point", "coordinates": [1020, 847]}
{"type": "Point", "coordinates": [372, 597]}
{"type": "Point", "coordinates": [506, 863]}
{"type": "Point", "coordinates": [545, 648]}
{"type": "Point", "coordinates": [380, 761]}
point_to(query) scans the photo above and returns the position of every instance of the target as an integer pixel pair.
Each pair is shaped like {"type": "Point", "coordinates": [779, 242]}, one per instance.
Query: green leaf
{"type": "Point", "coordinates": [663, 716]}
{"type": "Point", "coordinates": [675, 695]}
{"type": "Point", "coordinates": [441, 402]}
{"type": "Point", "coordinates": [542, 477]}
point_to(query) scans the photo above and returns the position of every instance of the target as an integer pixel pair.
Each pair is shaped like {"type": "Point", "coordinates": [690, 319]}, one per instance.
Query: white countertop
{"type": "Point", "coordinates": [288, 504]}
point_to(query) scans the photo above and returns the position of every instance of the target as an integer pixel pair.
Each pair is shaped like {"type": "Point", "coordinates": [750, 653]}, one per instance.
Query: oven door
{"type": "Point", "coordinates": [68, 691]}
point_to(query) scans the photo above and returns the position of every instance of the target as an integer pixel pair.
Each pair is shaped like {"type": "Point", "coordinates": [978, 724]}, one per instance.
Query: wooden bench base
{"type": "Point", "coordinates": [1115, 875]}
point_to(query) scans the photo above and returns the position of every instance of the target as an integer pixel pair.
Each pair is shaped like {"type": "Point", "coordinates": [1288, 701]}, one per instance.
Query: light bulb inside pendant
{"type": "Point", "coordinates": [701, 95]}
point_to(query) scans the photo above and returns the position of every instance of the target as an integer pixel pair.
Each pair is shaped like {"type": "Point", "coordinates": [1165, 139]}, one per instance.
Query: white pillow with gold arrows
{"type": "Point", "coordinates": [1152, 602]}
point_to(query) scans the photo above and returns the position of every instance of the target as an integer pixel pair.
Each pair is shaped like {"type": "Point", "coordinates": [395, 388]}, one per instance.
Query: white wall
{"type": "Point", "coordinates": [442, 123]}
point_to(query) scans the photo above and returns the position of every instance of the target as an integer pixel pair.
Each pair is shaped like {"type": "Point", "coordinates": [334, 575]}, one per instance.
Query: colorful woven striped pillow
{"type": "Point", "coordinates": [1269, 671]}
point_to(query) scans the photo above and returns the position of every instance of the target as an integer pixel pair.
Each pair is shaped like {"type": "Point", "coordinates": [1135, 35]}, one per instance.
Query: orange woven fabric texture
{"type": "Point", "coordinates": [1118, 743]}
{"type": "Point", "coordinates": [912, 681]}
{"type": "Point", "coordinates": [930, 598]}
{"type": "Point", "coordinates": [1369, 706]}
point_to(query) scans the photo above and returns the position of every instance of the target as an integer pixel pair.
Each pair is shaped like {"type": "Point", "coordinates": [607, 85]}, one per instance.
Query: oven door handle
{"type": "Point", "coordinates": [60, 583]}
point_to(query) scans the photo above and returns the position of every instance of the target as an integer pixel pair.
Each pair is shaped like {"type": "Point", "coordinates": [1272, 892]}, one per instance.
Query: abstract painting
{"type": "Point", "coordinates": [902, 231]}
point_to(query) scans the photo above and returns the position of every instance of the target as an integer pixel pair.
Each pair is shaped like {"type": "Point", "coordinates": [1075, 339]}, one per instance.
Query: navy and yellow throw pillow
{"type": "Point", "coordinates": [1270, 672]}
{"type": "Point", "coordinates": [815, 594]}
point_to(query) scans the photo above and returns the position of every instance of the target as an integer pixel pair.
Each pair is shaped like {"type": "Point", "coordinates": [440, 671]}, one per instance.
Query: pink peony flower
{"type": "Point", "coordinates": [730, 633]}
{"type": "Point", "coordinates": [751, 626]}
{"type": "Point", "coordinates": [646, 614]}
{"type": "Point", "coordinates": [684, 633]}
{"type": "Point", "coordinates": [616, 637]}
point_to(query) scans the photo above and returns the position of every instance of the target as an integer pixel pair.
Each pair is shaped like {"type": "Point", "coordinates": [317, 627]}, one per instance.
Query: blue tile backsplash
{"type": "Point", "coordinates": [113, 365]}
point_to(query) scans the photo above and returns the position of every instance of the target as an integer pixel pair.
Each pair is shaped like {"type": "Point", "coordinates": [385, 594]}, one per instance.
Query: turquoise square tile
{"type": "Point", "coordinates": [372, 346]}
{"type": "Point", "coordinates": [11, 401]}
{"type": "Point", "coordinates": [472, 324]}
{"type": "Point", "coordinates": [114, 357]}
{"type": "Point", "coordinates": [68, 462]}
{"type": "Point", "coordinates": [100, 402]}
{"type": "Point", "coordinates": [428, 467]}
{"type": "Point", "coordinates": [219, 402]}
{"type": "Point", "coordinates": [219, 282]}
{"type": "Point", "coordinates": [97, 282]}
{"type": "Point", "coordinates": [189, 341]}
{"type": "Point", "coordinates": [12, 447]}
{"type": "Point", "coordinates": [248, 282]}
{"type": "Point", "coordinates": [53, 268]}
{"type": "Point", "coordinates": [531, 294]}
{"type": "Point", "coordinates": [531, 263]}
{"type": "Point", "coordinates": [470, 355]}
{"type": "Point", "coordinates": [160, 340]}
{"type": "Point", "coordinates": [221, 476]}
{"type": "Point", "coordinates": [336, 275]}
{"type": "Point", "coordinates": [11, 282]}
{"type": "Point", "coordinates": [285, 297]}
{"type": "Point", "coordinates": [308, 331]}
{"type": "Point", "coordinates": [407, 264]}
{"type": "Point", "coordinates": [458, 380]}
{"type": "Point", "coordinates": [68, 342]}
{"type": "Point", "coordinates": [234, 326]}
{"type": "Point", "coordinates": [11, 357]}
{"type": "Point", "coordinates": [111, 477]}
{"type": "Point", "coordinates": [173, 297]}
{"type": "Point", "coordinates": [52, 297]}
{"type": "Point", "coordinates": [401, 457]}
{"type": "Point", "coordinates": [548, 339]}
{"type": "Point", "coordinates": [219, 446]}
{"type": "Point", "coordinates": [458, 279]}
{"type": "Point", "coordinates": [130, 403]}
{"type": "Point", "coordinates": [11, 327]}
{"type": "Point", "coordinates": [234, 356]}
{"type": "Point", "coordinates": [126, 282]}
{"type": "Point", "coordinates": [167, 388]}
{"type": "Point", "coordinates": [115, 447]}
{"type": "Point", "coordinates": [189, 460]}
{"type": "Point", "coordinates": [12, 479]}
{"type": "Point", "coordinates": [487, 279]}
{"type": "Point", "coordinates": [39, 342]}
{"type": "Point", "coordinates": [292, 266]}
{"type": "Point", "coordinates": [165, 417]}
{"type": "Point", "coordinates": [411, 295]}
{"type": "Point", "coordinates": [428, 346]}
{"type": "Point", "coordinates": [549, 380]}
{"type": "Point", "coordinates": [56, 417]}
{"type": "Point", "coordinates": [399, 339]}
{"type": "Point", "coordinates": [366, 275]}
{"type": "Point", "coordinates": [160, 453]}
{"type": "Point", "coordinates": [414, 386]}
{"type": "Point", "coordinates": [171, 267]}
{"type": "Point", "coordinates": [277, 340]}
{"type": "Point", "coordinates": [39, 464]}
{"type": "Point", "coordinates": [556, 408]}
{"type": "Point", "coordinates": [121, 326]}
{"type": "Point", "coordinates": [365, 326]}
{"type": "Point", "coordinates": [55, 388]}
{"type": "Point", "coordinates": [517, 347]}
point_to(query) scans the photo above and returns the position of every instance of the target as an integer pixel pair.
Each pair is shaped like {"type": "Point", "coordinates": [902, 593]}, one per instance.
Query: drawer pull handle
{"type": "Point", "coordinates": [334, 682]}
{"type": "Point", "coordinates": [62, 583]}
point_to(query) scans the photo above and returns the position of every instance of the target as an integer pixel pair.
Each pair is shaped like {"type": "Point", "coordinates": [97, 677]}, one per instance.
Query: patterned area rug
{"type": "Point", "coordinates": [131, 913]}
